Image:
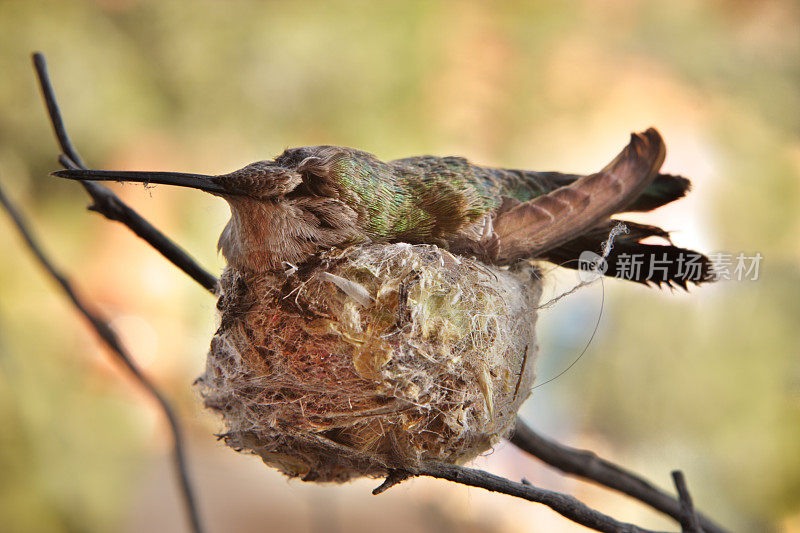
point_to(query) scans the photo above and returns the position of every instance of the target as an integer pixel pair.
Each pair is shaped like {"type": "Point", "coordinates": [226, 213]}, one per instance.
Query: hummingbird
{"type": "Point", "coordinates": [311, 199]}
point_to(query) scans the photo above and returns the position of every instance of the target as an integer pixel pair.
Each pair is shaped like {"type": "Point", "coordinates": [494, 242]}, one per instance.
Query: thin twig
{"type": "Point", "coordinates": [689, 520]}
{"type": "Point", "coordinates": [395, 477]}
{"type": "Point", "coordinates": [106, 202]}
{"type": "Point", "coordinates": [565, 505]}
{"type": "Point", "coordinates": [588, 465]}
{"type": "Point", "coordinates": [111, 340]}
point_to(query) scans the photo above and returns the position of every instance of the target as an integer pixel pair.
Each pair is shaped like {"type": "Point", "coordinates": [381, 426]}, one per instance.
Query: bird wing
{"type": "Point", "coordinates": [528, 229]}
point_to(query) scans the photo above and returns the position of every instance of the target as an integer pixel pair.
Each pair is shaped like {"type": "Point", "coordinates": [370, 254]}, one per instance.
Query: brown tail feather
{"type": "Point", "coordinates": [531, 228]}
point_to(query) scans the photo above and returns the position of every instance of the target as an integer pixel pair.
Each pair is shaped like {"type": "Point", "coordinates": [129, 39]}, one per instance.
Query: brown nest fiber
{"type": "Point", "coordinates": [374, 357]}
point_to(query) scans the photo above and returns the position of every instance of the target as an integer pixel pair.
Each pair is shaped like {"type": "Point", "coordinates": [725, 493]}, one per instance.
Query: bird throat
{"type": "Point", "coordinates": [276, 234]}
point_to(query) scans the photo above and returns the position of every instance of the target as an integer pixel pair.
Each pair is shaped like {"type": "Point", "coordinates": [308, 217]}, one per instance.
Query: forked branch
{"type": "Point", "coordinates": [587, 465]}
{"type": "Point", "coordinates": [564, 504]}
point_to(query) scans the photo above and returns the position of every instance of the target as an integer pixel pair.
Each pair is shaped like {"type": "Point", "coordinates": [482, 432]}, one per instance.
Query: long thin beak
{"type": "Point", "coordinates": [194, 181]}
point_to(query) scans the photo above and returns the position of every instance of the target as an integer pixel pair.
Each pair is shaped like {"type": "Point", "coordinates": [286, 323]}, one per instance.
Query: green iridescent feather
{"type": "Point", "coordinates": [422, 199]}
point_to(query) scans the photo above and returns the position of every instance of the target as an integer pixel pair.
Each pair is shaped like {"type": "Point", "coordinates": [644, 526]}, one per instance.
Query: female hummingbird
{"type": "Point", "coordinates": [314, 198]}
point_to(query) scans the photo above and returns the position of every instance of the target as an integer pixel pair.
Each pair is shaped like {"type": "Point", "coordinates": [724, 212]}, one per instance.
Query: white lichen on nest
{"type": "Point", "coordinates": [375, 357]}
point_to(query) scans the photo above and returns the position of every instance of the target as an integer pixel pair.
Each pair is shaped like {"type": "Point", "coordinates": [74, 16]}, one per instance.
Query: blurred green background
{"type": "Point", "coordinates": [708, 382]}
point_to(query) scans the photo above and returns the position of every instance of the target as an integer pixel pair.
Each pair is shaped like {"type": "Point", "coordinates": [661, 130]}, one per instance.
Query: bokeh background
{"type": "Point", "coordinates": [708, 382]}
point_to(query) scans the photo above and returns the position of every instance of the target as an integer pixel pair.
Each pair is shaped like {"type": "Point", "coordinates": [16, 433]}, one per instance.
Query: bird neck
{"type": "Point", "coordinates": [255, 237]}
{"type": "Point", "coordinates": [272, 235]}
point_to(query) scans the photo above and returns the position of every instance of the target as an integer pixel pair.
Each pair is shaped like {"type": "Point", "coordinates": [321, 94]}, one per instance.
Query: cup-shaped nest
{"type": "Point", "coordinates": [372, 358]}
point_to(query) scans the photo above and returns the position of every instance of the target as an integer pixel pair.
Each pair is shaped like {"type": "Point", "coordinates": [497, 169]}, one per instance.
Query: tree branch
{"type": "Point", "coordinates": [107, 335]}
{"type": "Point", "coordinates": [588, 465]}
{"type": "Point", "coordinates": [106, 202]}
{"type": "Point", "coordinates": [689, 520]}
{"type": "Point", "coordinates": [565, 505]}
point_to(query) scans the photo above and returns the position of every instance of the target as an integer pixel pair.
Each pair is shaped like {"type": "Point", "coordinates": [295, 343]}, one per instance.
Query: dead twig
{"type": "Point", "coordinates": [565, 505]}
{"type": "Point", "coordinates": [689, 520]}
{"type": "Point", "coordinates": [589, 466]}
{"type": "Point", "coordinates": [110, 339]}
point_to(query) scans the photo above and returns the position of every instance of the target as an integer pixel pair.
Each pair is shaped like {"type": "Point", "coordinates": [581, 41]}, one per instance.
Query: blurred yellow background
{"type": "Point", "coordinates": [707, 382]}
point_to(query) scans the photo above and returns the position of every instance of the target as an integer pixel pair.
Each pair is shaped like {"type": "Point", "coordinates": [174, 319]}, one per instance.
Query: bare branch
{"type": "Point", "coordinates": [395, 477]}
{"type": "Point", "coordinates": [689, 520]}
{"type": "Point", "coordinates": [107, 335]}
{"type": "Point", "coordinates": [588, 465]}
{"type": "Point", "coordinates": [106, 202]}
{"type": "Point", "coordinates": [565, 505]}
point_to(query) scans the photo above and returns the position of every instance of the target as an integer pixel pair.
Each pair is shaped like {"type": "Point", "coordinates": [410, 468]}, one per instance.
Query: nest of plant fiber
{"type": "Point", "coordinates": [372, 358]}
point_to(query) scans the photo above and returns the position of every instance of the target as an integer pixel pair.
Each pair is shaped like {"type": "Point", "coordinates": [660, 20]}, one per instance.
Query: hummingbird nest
{"type": "Point", "coordinates": [373, 357]}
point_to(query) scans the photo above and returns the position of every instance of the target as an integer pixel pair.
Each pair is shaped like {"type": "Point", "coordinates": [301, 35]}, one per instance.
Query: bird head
{"type": "Point", "coordinates": [282, 211]}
